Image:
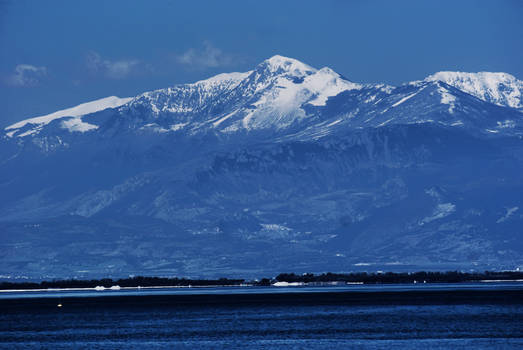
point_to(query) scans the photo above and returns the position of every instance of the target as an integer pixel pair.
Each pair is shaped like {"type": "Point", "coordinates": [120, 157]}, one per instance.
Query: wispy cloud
{"type": "Point", "coordinates": [208, 56]}
{"type": "Point", "coordinates": [26, 75]}
{"type": "Point", "coordinates": [111, 69]}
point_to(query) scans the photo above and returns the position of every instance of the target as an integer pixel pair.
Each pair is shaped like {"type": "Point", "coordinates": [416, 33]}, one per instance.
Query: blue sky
{"type": "Point", "coordinates": [57, 54]}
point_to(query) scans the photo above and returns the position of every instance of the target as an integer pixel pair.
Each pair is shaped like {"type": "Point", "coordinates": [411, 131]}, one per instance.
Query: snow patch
{"type": "Point", "coordinates": [385, 122]}
{"type": "Point", "coordinates": [441, 211]}
{"type": "Point", "coordinates": [221, 120]}
{"type": "Point", "coordinates": [76, 124]}
{"type": "Point", "coordinates": [178, 126]}
{"type": "Point", "coordinates": [405, 98]}
{"type": "Point", "coordinates": [447, 98]}
{"type": "Point", "coordinates": [507, 124]}
{"type": "Point", "coordinates": [334, 122]}
{"type": "Point", "coordinates": [29, 132]}
{"type": "Point", "coordinates": [507, 215]}
{"type": "Point", "coordinates": [275, 227]}
{"type": "Point", "coordinates": [157, 128]}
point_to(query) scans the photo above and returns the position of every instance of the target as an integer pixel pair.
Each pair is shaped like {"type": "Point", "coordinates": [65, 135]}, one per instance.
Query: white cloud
{"type": "Point", "coordinates": [206, 57]}
{"type": "Point", "coordinates": [111, 69]}
{"type": "Point", "coordinates": [27, 75]}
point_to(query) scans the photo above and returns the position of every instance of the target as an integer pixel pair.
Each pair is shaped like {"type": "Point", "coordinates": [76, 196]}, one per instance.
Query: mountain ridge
{"type": "Point", "coordinates": [284, 96]}
{"type": "Point", "coordinates": [499, 88]}
{"type": "Point", "coordinates": [285, 167]}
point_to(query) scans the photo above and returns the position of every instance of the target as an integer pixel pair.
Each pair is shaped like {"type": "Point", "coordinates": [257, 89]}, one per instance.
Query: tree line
{"type": "Point", "coordinates": [307, 278]}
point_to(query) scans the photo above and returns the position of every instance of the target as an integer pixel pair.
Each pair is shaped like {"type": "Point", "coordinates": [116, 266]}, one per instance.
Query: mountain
{"type": "Point", "coordinates": [499, 88]}
{"type": "Point", "coordinates": [73, 124]}
{"type": "Point", "coordinates": [282, 168]}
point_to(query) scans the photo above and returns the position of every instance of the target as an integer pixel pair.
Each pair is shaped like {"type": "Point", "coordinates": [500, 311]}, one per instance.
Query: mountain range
{"type": "Point", "coordinates": [282, 168]}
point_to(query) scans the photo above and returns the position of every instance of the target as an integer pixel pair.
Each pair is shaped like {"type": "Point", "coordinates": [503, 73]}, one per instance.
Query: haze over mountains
{"type": "Point", "coordinates": [282, 168]}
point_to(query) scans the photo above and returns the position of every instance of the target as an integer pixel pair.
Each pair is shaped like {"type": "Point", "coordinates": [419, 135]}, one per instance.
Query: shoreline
{"type": "Point", "coordinates": [251, 285]}
{"type": "Point", "coordinates": [455, 294]}
{"type": "Point", "coordinates": [254, 289]}
{"type": "Point", "coordinates": [282, 280]}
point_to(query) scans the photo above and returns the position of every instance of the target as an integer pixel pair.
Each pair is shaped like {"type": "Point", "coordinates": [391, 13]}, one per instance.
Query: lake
{"type": "Point", "coordinates": [439, 316]}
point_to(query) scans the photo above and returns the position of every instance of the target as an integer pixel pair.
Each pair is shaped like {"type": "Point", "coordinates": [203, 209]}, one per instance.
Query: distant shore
{"type": "Point", "coordinates": [284, 279]}
{"type": "Point", "coordinates": [370, 294]}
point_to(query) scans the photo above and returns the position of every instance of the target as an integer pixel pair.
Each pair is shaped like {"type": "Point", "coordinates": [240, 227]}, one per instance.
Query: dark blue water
{"type": "Point", "coordinates": [381, 321]}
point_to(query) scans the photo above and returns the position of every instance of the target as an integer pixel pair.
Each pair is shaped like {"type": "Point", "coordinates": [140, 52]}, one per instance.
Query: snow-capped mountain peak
{"type": "Point", "coordinates": [281, 87]}
{"type": "Point", "coordinates": [271, 96]}
{"type": "Point", "coordinates": [283, 94]}
{"type": "Point", "coordinates": [325, 83]}
{"type": "Point", "coordinates": [280, 64]}
{"type": "Point", "coordinates": [499, 88]}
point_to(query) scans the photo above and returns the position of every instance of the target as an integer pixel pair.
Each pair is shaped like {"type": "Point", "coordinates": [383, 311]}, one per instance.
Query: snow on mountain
{"type": "Point", "coordinates": [282, 93]}
{"type": "Point", "coordinates": [224, 77]}
{"type": "Point", "coordinates": [499, 88]}
{"type": "Point", "coordinates": [270, 96]}
{"type": "Point", "coordinates": [216, 176]}
{"type": "Point", "coordinates": [75, 124]}
{"type": "Point", "coordinates": [278, 64]}
{"type": "Point", "coordinates": [187, 99]}
{"type": "Point", "coordinates": [282, 87]}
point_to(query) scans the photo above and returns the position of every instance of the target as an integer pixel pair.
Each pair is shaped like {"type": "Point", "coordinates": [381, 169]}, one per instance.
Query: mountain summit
{"type": "Point", "coordinates": [282, 168]}
{"type": "Point", "coordinates": [278, 64]}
